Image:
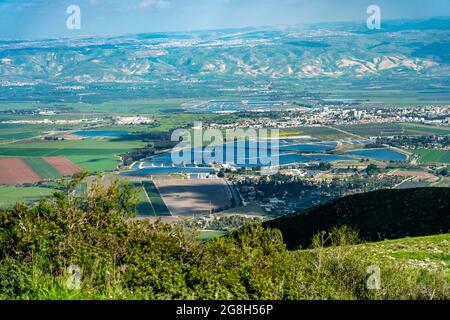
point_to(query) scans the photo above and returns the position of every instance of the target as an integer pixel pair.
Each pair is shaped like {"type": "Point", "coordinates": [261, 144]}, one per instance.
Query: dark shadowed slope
{"type": "Point", "coordinates": [379, 215]}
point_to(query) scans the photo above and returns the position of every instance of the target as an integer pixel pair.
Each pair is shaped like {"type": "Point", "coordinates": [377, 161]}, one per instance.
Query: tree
{"type": "Point", "coordinates": [372, 169]}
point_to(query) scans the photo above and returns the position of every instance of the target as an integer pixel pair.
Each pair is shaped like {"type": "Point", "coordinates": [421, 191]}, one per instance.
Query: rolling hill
{"type": "Point", "coordinates": [379, 215]}
{"type": "Point", "coordinates": [297, 52]}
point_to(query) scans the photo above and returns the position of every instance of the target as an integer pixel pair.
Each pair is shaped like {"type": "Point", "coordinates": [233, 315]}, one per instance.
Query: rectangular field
{"type": "Point", "coordinates": [393, 129]}
{"type": "Point", "coordinates": [433, 155]}
{"type": "Point", "coordinates": [424, 129]}
{"type": "Point", "coordinates": [95, 156]}
{"type": "Point", "coordinates": [11, 195]}
{"type": "Point", "coordinates": [194, 197]}
{"type": "Point", "coordinates": [374, 129]}
{"type": "Point", "coordinates": [96, 164]}
{"type": "Point", "coordinates": [15, 171]}
{"type": "Point", "coordinates": [322, 133]}
{"type": "Point", "coordinates": [42, 168]}
{"type": "Point", "coordinates": [156, 202]}
{"type": "Point", "coordinates": [63, 165]}
{"type": "Point", "coordinates": [144, 208]}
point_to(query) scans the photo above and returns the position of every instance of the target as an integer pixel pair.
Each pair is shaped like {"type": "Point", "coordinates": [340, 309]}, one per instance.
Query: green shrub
{"type": "Point", "coordinates": [124, 258]}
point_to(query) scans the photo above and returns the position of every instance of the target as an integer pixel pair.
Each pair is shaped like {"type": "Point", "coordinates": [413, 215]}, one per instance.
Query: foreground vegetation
{"type": "Point", "coordinates": [90, 247]}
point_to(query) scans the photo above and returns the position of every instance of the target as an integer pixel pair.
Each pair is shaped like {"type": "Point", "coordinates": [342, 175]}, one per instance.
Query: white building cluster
{"type": "Point", "coordinates": [132, 120]}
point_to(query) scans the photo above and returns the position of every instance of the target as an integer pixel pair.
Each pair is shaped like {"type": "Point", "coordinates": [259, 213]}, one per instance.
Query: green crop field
{"type": "Point", "coordinates": [390, 129]}
{"type": "Point", "coordinates": [433, 155]}
{"type": "Point", "coordinates": [159, 207]}
{"type": "Point", "coordinates": [422, 129]}
{"type": "Point", "coordinates": [91, 155]}
{"type": "Point", "coordinates": [96, 164]}
{"type": "Point", "coordinates": [42, 168]}
{"type": "Point", "coordinates": [10, 132]}
{"type": "Point", "coordinates": [322, 133]}
{"type": "Point", "coordinates": [144, 208]}
{"type": "Point", "coordinates": [12, 195]}
{"type": "Point", "coordinates": [374, 129]}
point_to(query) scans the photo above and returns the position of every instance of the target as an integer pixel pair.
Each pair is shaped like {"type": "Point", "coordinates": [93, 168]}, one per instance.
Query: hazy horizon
{"type": "Point", "coordinates": [39, 19]}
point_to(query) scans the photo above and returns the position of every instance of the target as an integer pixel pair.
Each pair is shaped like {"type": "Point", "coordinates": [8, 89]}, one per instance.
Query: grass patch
{"type": "Point", "coordinates": [429, 252]}
{"type": "Point", "coordinates": [210, 234]}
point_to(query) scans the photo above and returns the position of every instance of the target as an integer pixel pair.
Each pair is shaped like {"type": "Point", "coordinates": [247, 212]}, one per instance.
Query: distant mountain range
{"type": "Point", "coordinates": [342, 51]}
{"type": "Point", "coordinates": [379, 215]}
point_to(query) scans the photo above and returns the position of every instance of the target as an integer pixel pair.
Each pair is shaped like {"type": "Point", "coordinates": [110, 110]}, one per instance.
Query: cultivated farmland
{"type": "Point", "coordinates": [144, 208]}
{"type": "Point", "coordinates": [433, 155]}
{"type": "Point", "coordinates": [194, 197]}
{"type": "Point", "coordinates": [156, 202]}
{"type": "Point", "coordinates": [44, 169]}
{"type": "Point", "coordinates": [10, 195]}
{"type": "Point", "coordinates": [15, 171]}
{"type": "Point", "coordinates": [63, 165]}
{"type": "Point", "coordinates": [392, 129]}
{"type": "Point", "coordinates": [91, 155]}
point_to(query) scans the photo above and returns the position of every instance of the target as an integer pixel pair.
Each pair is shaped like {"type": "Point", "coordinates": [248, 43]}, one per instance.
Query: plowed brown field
{"type": "Point", "coordinates": [63, 165]}
{"type": "Point", "coordinates": [15, 171]}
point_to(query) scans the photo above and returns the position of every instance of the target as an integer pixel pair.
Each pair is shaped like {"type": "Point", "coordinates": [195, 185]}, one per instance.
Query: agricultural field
{"type": "Point", "coordinates": [144, 208]}
{"type": "Point", "coordinates": [10, 195]}
{"type": "Point", "coordinates": [13, 132]}
{"type": "Point", "coordinates": [194, 197]}
{"type": "Point", "coordinates": [92, 155]}
{"type": "Point", "coordinates": [150, 202]}
{"type": "Point", "coordinates": [15, 171]}
{"type": "Point", "coordinates": [423, 129]}
{"type": "Point", "coordinates": [64, 166]}
{"type": "Point", "coordinates": [96, 164]}
{"type": "Point", "coordinates": [155, 199]}
{"type": "Point", "coordinates": [370, 130]}
{"type": "Point", "coordinates": [392, 129]}
{"type": "Point", "coordinates": [322, 133]}
{"type": "Point", "coordinates": [433, 155]}
{"type": "Point", "coordinates": [44, 169]}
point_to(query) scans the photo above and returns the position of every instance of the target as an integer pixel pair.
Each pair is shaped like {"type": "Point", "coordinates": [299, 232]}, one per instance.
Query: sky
{"type": "Point", "coordinates": [41, 19]}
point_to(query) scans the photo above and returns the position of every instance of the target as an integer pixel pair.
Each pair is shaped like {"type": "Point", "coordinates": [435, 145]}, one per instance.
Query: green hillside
{"type": "Point", "coordinates": [120, 257]}
{"type": "Point", "coordinates": [379, 215]}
